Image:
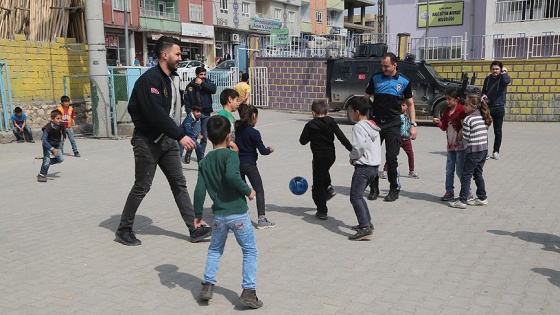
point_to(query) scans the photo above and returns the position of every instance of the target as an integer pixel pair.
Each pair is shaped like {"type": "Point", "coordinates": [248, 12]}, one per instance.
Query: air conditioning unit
{"type": "Point", "coordinates": [235, 38]}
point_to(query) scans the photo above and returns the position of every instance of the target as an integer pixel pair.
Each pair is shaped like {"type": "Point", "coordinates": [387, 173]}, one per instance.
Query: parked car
{"type": "Point", "coordinates": [225, 65]}
{"type": "Point", "coordinates": [192, 64]}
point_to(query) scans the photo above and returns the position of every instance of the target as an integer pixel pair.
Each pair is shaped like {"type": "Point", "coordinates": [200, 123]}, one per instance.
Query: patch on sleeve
{"type": "Point", "coordinates": [154, 91]}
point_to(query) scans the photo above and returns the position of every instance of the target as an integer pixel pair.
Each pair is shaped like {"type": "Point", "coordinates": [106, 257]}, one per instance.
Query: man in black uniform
{"type": "Point", "coordinates": [388, 88]}
{"type": "Point", "coordinates": [155, 109]}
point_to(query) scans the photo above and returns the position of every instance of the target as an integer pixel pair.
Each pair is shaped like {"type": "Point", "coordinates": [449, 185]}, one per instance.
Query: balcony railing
{"type": "Point", "coordinates": [527, 10]}
{"type": "Point", "coordinates": [467, 47]}
{"type": "Point", "coordinates": [144, 12]}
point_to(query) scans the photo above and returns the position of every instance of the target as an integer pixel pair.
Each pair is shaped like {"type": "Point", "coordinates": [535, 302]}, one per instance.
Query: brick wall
{"type": "Point", "coordinates": [36, 68]}
{"type": "Point", "coordinates": [294, 83]}
{"type": "Point", "coordinates": [534, 93]}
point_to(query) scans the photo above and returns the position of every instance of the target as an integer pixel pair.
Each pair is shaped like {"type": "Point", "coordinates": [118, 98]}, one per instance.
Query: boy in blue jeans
{"type": "Point", "coordinates": [191, 124]}
{"type": "Point", "coordinates": [218, 173]}
{"type": "Point", "coordinates": [21, 129]}
{"type": "Point", "coordinates": [53, 140]}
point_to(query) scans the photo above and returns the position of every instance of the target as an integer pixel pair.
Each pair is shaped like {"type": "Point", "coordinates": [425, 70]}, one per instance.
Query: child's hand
{"type": "Point", "coordinates": [351, 162]}
{"type": "Point", "coordinates": [271, 149]}
{"type": "Point", "coordinates": [55, 152]}
{"type": "Point", "coordinates": [233, 146]}
{"type": "Point", "coordinates": [200, 137]}
{"type": "Point", "coordinates": [253, 194]}
{"type": "Point", "coordinates": [197, 222]}
{"type": "Point", "coordinates": [436, 121]}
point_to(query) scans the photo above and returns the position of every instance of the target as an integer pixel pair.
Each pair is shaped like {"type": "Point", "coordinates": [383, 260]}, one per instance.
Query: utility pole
{"type": "Point", "coordinates": [126, 39]}
{"type": "Point", "coordinates": [98, 69]}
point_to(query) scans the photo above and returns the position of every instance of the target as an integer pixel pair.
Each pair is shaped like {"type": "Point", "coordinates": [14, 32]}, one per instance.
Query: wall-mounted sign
{"type": "Point", "coordinates": [280, 37]}
{"type": "Point", "coordinates": [197, 30]}
{"type": "Point", "coordinates": [111, 41]}
{"type": "Point", "coordinates": [441, 14]}
{"type": "Point", "coordinates": [258, 23]}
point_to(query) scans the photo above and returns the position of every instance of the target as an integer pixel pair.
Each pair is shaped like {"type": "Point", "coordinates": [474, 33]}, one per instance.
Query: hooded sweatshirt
{"type": "Point", "coordinates": [366, 144]}
{"type": "Point", "coordinates": [320, 131]}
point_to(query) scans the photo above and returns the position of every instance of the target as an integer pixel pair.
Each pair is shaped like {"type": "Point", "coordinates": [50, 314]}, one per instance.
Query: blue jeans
{"type": "Point", "coordinates": [20, 135]}
{"type": "Point", "coordinates": [363, 176]}
{"type": "Point", "coordinates": [474, 163]}
{"type": "Point", "coordinates": [70, 135]}
{"type": "Point", "coordinates": [455, 164]}
{"type": "Point", "coordinates": [48, 160]}
{"type": "Point", "coordinates": [241, 226]}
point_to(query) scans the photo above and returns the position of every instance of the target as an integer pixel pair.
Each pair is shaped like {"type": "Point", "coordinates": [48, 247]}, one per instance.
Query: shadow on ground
{"type": "Point", "coordinates": [142, 226]}
{"type": "Point", "coordinates": [170, 277]}
{"type": "Point", "coordinates": [549, 241]}
{"type": "Point", "coordinates": [308, 215]}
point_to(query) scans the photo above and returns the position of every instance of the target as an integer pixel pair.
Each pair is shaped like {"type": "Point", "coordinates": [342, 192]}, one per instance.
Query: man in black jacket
{"type": "Point", "coordinates": [199, 93]}
{"type": "Point", "coordinates": [155, 109]}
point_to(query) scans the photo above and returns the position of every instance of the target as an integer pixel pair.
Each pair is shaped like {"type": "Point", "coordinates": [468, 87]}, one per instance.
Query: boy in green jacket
{"type": "Point", "coordinates": [218, 173]}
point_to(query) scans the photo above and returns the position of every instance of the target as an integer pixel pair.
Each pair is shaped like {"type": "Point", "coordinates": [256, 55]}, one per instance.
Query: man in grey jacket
{"type": "Point", "coordinates": [366, 158]}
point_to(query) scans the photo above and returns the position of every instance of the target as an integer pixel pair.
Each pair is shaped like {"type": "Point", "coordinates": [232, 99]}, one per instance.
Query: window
{"type": "Point", "coordinates": [119, 5]}
{"type": "Point", "coordinates": [278, 14]}
{"type": "Point", "coordinates": [304, 12]}
{"type": "Point", "coordinates": [319, 17]}
{"type": "Point", "coordinates": [195, 12]}
{"type": "Point", "coordinates": [244, 8]}
{"type": "Point", "coordinates": [291, 17]}
{"type": "Point", "coordinates": [223, 6]}
{"type": "Point", "coordinates": [332, 17]}
{"type": "Point", "coordinates": [158, 9]}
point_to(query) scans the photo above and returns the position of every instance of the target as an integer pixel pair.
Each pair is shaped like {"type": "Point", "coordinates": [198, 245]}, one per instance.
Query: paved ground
{"type": "Point", "coordinates": [57, 254]}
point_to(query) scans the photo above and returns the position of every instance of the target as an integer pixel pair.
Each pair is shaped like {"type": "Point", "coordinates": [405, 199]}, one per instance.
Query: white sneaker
{"type": "Point", "coordinates": [458, 204]}
{"type": "Point", "coordinates": [383, 175]}
{"type": "Point", "coordinates": [413, 175]}
{"type": "Point", "coordinates": [496, 156]}
{"type": "Point", "coordinates": [478, 202]}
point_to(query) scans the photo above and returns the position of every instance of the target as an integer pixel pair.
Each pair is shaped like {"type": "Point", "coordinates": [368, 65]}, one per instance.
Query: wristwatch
{"type": "Point", "coordinates": [414, 124]}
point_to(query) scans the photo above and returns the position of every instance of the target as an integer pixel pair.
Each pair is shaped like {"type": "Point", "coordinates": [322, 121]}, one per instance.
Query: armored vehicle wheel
{"type": "Point", "coordinates": [439, 108]}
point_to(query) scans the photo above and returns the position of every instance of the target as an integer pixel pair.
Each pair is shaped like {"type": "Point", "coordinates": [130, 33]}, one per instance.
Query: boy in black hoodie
{"type": "Point", "coordinates": [320, 131]}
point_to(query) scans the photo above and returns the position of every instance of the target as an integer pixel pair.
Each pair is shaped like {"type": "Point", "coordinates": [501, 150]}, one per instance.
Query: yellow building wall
{"type": "Point", "coordinates": [534, 93]}
{"type": "Point", "coordinates": [36, 69]}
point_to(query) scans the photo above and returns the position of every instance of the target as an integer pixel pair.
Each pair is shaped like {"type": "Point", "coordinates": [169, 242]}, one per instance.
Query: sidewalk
{"type": "Point", "coordinates": [57, 253]}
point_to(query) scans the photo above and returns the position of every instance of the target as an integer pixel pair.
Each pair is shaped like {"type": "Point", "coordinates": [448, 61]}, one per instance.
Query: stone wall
{"type": "Point", "coordinates": [534, 93]}
{"type": "Point", "coordinates": [294, 83]}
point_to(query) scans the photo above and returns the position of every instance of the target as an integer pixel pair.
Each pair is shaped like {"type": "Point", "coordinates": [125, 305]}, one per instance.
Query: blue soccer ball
{"type": "Point", "coordinates": [298, 185]}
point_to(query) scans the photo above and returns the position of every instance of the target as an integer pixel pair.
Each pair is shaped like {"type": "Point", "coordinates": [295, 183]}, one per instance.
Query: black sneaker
{"type": "Point", "coordinates": [187, 159]}
{"type": "Point", "coordinates": [448, 196]}
{"type": "Point", "coordinates": [373, 194]}
{"type": "Point", "coordinates": [201, 233]}
{"type": "Point", "coordinates": [361, 234]}
{"type": "Point", "coordinates": [127, 238]}
{"type": "Point", "coordinates": [392, 196]}
{"type": "Point", "coordinates": [321, 215]}
{"type": "Point", "coordinates": [207, 291]}
{"type": "Point", "coordinates": [249, 299]}
{"type": "Point", "coordinates": [330, 193]}
{"type": "Point", "coordinates": [357, 227]}
{"type": "Point", "coordinates": [77, 154]}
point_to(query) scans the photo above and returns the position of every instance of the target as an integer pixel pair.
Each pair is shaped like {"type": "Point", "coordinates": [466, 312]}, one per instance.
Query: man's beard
{"type": "Point", "coordinates": [172, 66]}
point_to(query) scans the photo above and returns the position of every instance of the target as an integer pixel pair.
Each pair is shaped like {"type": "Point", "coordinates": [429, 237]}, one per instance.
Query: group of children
{"type": "Point", "coordinates": [54, 133]}
{"type": "Point", "coordinates": [467, 146]}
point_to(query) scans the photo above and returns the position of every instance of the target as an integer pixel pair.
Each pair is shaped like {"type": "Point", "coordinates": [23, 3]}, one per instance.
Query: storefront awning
{"type": "Point", "coordinates": [196, 40]}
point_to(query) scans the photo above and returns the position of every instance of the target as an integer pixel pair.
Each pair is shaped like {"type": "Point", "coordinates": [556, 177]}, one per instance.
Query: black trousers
{"type": "Point", "coordinates": [252, 173]}
{"type": "Point", "coordinates": [148, 155]}
{"type": "Point", "coordinates": [498, 113]}
{"type": "Point", "coordinates": [390, 134]}
{"type": "Point", "coordinates": [321, 179]}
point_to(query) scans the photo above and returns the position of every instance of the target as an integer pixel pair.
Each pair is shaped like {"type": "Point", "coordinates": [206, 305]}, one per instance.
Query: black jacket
{"type": "Point", "coordinates": [320, 131]}
{"type": "Point", "coordinates": [150, 103]}
{"type": "Point", "coordinates": [200, 95]}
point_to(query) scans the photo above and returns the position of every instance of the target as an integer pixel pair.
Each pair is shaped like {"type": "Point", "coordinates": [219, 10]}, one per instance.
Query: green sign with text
{"type": "Point", "coordinates": [440, 14]}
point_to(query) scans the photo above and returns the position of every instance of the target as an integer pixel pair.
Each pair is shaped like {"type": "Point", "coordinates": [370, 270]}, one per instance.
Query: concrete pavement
{"type": "Point", "coordinates": [57, 254]}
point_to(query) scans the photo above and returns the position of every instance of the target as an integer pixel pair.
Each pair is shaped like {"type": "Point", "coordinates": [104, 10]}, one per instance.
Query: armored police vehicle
{"type": "Point", "coordinates": [348, 78]}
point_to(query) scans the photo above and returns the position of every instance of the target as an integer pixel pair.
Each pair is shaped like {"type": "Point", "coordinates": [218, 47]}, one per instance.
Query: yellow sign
{"type": "Point", "coordinates": [441, 14]}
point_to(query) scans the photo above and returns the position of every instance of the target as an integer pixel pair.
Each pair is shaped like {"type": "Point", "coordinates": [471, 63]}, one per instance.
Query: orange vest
{"type": "Point", "coordinates": [68, 118]}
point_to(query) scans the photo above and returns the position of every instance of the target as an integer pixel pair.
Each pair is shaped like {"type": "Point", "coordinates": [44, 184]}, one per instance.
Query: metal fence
{"type": "Point", "coordinates": [526, 10]}
{"type": "Point", "coordinates": [6, 98]}
{"type": "Point", "coordinates": [464, 47]}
